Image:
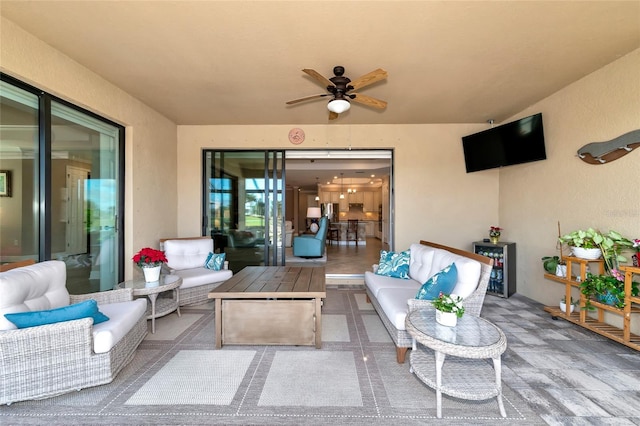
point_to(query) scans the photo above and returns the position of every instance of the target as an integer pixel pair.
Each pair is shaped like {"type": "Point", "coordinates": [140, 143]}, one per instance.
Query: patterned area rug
{"type": "Point", "coordinates": [178, 377]}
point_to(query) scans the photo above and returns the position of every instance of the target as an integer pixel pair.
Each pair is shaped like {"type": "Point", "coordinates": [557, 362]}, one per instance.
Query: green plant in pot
{"type": "Point", "coordinates": [609, 245]}
{"type": "Point", "coordinates": [581, 238]}
{"type": "Point", "coordinates": [608, 289]}
{"type": "Point", "coordinates": [583, 243]}
{"type": "Point", "coordinates": [551, 263]}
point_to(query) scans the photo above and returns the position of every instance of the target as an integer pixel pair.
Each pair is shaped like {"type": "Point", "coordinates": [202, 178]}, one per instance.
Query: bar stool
{"type": "Point", "coordinates": [352, 230]}
{"type": "Point", "coordinates": [334, 234]}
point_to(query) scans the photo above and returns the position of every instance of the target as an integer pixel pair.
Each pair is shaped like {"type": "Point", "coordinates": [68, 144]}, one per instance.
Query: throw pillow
{"type": "Point", "coordinates": [394, 264]}
{"type": "Point", "coordinates": [442, 282]}
{"type": "Point", "coordinates": [86, 309]}
{"type": "Point", "coordinates": [215, 261]}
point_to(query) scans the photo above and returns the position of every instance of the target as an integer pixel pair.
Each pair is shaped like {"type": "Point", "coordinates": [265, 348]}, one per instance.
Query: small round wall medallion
{"type": "Point", "coordinates": [296, 136]}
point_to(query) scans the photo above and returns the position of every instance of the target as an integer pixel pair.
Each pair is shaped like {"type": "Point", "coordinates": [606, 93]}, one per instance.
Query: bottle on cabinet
{"type": "Point", "coordinates": [502, 281]}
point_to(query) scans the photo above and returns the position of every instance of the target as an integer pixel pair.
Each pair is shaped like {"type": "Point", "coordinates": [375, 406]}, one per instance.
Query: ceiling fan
{"type": "Point", "coordinates": [340, 87]}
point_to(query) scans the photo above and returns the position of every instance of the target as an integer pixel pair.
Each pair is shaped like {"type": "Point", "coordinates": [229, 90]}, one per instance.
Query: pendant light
{"type": "Point", "coordinates": [317, 189]}
{"type": "Point", "coordinates": [342, 186]}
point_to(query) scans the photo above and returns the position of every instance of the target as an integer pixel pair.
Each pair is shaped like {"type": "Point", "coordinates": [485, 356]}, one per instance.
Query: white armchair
{"type": "Point", "coordinates": [288, 233]}
{"type": "Point", "coordinates": [186, 258]}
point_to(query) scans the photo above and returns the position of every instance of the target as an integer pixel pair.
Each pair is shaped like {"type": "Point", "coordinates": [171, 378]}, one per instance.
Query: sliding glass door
{"type": "Point", "coordinates": [243, 206]}
{"type": "Point", "coordinates": [62, 169]}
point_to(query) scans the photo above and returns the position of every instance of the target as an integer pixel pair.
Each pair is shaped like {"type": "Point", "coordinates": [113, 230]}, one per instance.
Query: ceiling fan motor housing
{"type": "Point", "coordinates": [340, 83]}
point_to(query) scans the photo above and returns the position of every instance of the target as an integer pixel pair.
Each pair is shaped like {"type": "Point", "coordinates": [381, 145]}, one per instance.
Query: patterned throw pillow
{"type": "Point", "coordinates": [443, 281]}
{"type": "Point", "coordinates": [394, 264]}
{"type": "Point", "coordinates": [215, 261]}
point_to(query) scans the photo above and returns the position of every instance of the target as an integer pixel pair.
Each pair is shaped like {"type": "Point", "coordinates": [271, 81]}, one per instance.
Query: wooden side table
{"type": "Point", "coordinates": [165, 305]}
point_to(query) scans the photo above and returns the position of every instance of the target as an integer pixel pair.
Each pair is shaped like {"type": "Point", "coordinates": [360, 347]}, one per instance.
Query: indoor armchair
{"type": "Point", "coordinates": [310, 245]}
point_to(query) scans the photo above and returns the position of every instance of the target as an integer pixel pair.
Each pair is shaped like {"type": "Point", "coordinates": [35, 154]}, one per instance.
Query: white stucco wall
{"type": "Point", "coordinates": [534, 197]}
{"type": "Point", "coordinates": [150, 142]}
{"type": "Point", "coordinates": [434, 196]}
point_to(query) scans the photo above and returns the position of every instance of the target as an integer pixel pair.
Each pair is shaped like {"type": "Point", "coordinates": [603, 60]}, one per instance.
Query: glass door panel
{"type": "Point", "coordinates": [85, 199]}
{"type": "Point", "coordinates": [242, 192]}
{"type": "Point", "coordinates": [19, 175]}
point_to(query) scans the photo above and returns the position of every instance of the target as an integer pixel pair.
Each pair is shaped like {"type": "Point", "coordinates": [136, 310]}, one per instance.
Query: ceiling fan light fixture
{"type": "Point", "coordinates": [338, 105]}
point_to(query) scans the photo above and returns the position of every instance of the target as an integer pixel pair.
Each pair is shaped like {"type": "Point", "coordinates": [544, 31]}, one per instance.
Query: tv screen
{"type": "Point", "coordinates": [520, 141]}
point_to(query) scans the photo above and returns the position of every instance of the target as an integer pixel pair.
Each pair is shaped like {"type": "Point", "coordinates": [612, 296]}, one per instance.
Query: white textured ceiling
{"type": "Point", "coordinates": [238, 62]}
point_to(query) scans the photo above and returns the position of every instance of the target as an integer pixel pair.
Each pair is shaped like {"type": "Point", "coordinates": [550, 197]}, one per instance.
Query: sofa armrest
{"type": "Point", "coordinates": [419, 304]}
{"type": "Point", "coordinates": [104, 297]}
{"type": "Point", "coordinates": [35, 359]}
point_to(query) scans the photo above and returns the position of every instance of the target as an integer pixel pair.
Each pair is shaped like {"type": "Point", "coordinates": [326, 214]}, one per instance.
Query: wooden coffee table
{"type": "Point", "coordinates": [270, 305]}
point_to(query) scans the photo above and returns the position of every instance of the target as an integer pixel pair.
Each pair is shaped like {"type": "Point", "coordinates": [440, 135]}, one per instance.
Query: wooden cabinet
{"type": "Point", "coordinates": [344, 204]}
{"type": "Point", "coordinates": [580, 316]}
{"type": "Point", "coordinates": [368, 202]}
{"type": "Point", "coordinates": [370, 229]}
{"type": "Point", "coordinates": [358, 197]}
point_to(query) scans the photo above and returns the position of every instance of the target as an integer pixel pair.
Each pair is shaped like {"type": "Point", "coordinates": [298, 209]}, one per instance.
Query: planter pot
{"type": "Point", "coordinates": [448, 319]}
{"type": "Point", "coordinates": [561, 271]}
{"type": "Point", "coordinates": [586, 253]}
{"type": "Point", "coordinates": [607, 298]}
{"type": "Point", "coordinates": [152, 274]}
{"type": "Point", "coordinates": [563, 307]}
{"type": "Point", "coordinates": [495, 240]}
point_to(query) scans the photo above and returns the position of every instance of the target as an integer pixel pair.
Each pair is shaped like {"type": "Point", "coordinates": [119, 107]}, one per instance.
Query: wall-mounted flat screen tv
{"type": "Point", "coordinates": [518, 142]}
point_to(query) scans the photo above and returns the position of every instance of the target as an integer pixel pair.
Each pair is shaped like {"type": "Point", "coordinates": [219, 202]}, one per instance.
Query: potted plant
{"type": "Point", "coordinates": [448, 309]}
{"type": "Point", "coordinates": [150, 260]}
{"type": "Point", "coordinates": [584, 244]}
{"type": "Point", "coordinates": [608, 289]}
{"type": "Point", "coordinates": [494, 234]}
{"type": "Point", "coordinates": [563, 305]}
{"type": "Point", "coordinates": [554, 265]}
{"type": "Point", "coordinates": [592, 244]}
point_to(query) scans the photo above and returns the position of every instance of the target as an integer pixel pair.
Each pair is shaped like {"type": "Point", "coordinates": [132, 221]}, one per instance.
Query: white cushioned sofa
{"type": "Point", "coordinates": [394, 297]}
{"type": "Point", "coordinates": [52, 359]}
{"type": "Point", "coordinates": [186, 258]}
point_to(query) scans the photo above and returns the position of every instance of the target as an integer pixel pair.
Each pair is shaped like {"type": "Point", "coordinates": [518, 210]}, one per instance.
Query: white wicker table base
{"type": "Point", "coordinates": [467, 376]}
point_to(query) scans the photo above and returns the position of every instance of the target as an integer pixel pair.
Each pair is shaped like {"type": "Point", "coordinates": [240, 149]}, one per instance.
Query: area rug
{"type": "Point", "coordinates": [178, 377]}
{"type": "Point", "coordinates": [291, 259]}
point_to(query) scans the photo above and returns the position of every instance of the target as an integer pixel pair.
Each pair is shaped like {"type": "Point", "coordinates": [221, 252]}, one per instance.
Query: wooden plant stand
{"type": "Point", "coordinates": [632, 304]}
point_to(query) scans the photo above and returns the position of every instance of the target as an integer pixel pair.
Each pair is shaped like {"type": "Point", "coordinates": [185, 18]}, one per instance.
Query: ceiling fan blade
{"type": "Point", "coordinates": [318, 77]}
{"type": "Point", "coordinates": [333, 115]}
{"type": "Point", "coordinates": [369, 101]}
{"type": "Point", "coordinates": [295, 101]}
{"type": "Point", "coordinates": [369, 78]}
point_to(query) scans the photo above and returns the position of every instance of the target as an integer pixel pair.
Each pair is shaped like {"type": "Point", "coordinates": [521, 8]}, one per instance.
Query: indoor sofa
{"type": "Point", "coordinates": [186, 258]}
{"type": "Point", "coordinates": [394, 297]}
{"type": "Point", "coordinates": [41, 361]}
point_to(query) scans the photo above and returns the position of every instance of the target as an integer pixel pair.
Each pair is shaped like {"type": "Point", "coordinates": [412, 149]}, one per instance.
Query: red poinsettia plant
{"type": "Point", "coordinates": [149, 257]}
{"type": "Point", "coordinates": [494, 231]}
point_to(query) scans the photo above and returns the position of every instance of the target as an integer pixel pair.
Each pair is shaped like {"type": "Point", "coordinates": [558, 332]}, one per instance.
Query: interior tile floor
{"type": "Point", "coordinates": [347, 263]}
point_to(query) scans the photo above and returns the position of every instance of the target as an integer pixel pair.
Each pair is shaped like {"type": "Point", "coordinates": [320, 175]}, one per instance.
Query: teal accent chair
{"type": "Point", "coordinates": [310, 245]}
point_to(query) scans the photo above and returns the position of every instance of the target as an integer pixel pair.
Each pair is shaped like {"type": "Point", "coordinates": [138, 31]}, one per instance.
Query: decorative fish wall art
{"type": "Point", "coordinates": [608, 151]}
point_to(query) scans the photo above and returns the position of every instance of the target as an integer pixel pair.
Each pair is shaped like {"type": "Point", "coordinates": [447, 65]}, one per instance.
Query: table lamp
{"type": "Point", "coordinates": [314, 213]}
